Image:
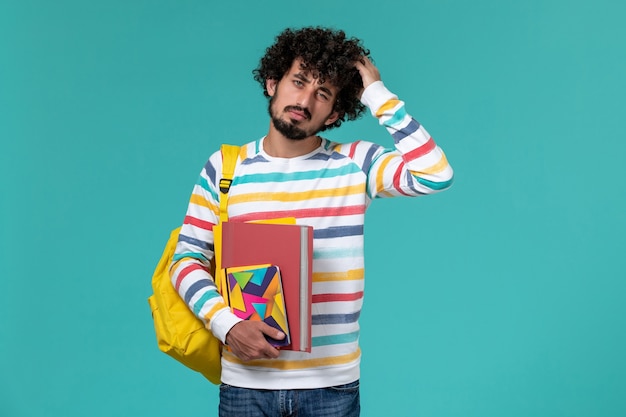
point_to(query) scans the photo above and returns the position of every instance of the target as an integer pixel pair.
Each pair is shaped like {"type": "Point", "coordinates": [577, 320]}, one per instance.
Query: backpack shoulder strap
{"type": "Point", "coordinates": [230, 154]}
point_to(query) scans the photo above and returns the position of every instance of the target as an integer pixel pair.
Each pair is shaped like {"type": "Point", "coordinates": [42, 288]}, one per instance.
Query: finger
{"type": "Point", "coordinates": [365, 60]}
{"type": "Point", "coordinates": [272, 332]}
{"type": "Point", "coordinates": [272, 353]}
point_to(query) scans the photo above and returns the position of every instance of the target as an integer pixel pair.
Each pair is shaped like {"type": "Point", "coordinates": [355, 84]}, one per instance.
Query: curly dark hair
{"type": "Point", "coordinates": [329, 55]}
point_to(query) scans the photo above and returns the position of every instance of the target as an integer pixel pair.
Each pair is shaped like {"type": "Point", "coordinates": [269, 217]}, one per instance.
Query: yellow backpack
{"type": "Point", "coordinates": [179, 332]}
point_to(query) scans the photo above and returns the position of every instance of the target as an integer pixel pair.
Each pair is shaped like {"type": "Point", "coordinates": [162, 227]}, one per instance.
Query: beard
{"type": "Point", "coordinates": [290, 129]}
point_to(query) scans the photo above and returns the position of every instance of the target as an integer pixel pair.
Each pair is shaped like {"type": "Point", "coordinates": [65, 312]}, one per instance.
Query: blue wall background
{"type": "Point", "coordinates": [510, 287]}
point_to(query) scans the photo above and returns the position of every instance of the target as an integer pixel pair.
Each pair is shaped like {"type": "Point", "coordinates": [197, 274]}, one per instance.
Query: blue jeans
{"type": "Point", "coordinates": [338, 401]}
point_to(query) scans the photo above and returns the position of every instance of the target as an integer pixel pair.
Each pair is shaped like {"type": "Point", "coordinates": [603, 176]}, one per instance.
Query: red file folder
{"type": "Point", "coordinates": [288, 246]}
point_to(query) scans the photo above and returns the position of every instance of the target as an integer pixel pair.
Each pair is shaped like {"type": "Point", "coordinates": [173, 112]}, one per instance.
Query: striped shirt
{"type": "Point", "coordinates": [329, 189]}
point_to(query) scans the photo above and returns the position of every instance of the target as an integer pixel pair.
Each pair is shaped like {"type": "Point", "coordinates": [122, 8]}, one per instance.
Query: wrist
{"type": "Point", "coordinates": [375, 95]}
{"type": "Point", "coordinates": [222, 323]}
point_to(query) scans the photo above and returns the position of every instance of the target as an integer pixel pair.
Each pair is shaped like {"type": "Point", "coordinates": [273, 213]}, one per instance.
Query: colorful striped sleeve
{"type": "Point", "coordinates": [191, 267]}
{"type": "Point", "coordinates": [416, 166]}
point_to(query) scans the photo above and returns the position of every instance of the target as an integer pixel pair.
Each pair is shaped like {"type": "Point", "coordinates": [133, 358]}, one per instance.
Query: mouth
{"type": "Point", "coordinates": [297, 114]}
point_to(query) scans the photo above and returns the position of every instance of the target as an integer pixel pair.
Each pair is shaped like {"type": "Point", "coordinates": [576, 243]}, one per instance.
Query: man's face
{"type": "Point", "coordinates": [300, 106]}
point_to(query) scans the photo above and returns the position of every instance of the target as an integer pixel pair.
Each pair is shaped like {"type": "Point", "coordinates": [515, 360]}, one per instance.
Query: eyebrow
{"type": "Point", "coordinates": [302, 77]}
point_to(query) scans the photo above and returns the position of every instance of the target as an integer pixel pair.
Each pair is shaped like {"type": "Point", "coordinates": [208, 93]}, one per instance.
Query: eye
{"type": "Point", "coordinates": [298, 83]}
{"type": "Point", "coordinates": [322, 96]}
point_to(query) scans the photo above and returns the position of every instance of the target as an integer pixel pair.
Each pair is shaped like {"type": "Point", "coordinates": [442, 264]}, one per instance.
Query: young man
{"type": "Point", "coordinates": [315, 79]}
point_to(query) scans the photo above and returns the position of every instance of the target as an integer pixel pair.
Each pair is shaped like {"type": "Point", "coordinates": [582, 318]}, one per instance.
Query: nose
{"type": "Point", "coordinates": [305, 97]}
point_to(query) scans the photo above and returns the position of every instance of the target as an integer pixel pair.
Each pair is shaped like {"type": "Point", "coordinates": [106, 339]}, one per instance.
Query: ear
{"type": "Point", "coordinates": [332, 118]}
{"type": "Point", "coordinates": [270, 86]}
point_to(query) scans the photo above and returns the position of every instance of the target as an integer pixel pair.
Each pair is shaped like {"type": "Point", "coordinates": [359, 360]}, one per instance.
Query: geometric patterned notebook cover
{"type": "Point", "coordinates": [255, 293]}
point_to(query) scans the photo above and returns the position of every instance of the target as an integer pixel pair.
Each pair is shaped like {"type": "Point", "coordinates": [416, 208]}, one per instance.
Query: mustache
{"type": "Point", "coordinates": [303, 110]}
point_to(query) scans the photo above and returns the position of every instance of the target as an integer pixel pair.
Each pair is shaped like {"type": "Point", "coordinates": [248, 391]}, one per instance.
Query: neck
{"type": "Point", "coordinates": [277, 145]}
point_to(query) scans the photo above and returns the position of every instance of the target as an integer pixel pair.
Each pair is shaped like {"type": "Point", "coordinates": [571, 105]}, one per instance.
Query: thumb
{"type": "Point", "coordinates": [272, 332]}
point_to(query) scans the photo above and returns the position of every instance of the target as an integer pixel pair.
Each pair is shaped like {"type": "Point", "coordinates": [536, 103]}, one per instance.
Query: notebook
{"type": "Point", "coordinates": [255, 293]}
